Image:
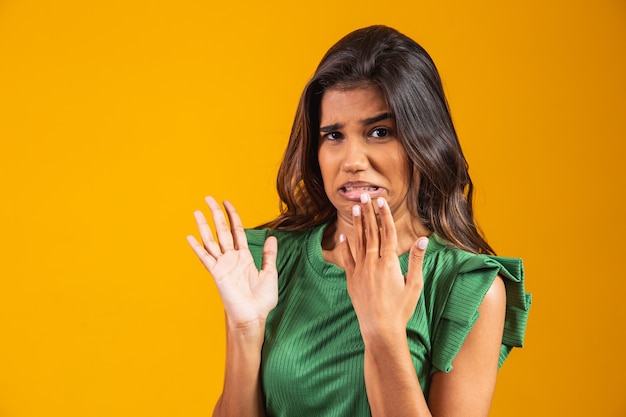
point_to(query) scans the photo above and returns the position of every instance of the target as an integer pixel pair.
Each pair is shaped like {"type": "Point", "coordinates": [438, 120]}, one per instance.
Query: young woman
{"type": "Point", "coordinates": [373, 292]}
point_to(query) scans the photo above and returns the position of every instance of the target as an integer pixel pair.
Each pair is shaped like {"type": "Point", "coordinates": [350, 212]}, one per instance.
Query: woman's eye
{"type": "Point", "coordinates": [381, 132]}
{"type": "Point", "coordinates": [333, 136]}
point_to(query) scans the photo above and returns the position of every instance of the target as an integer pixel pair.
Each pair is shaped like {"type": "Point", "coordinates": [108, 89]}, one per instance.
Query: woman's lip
{"type": "Point", "coordinates": [354, 193]}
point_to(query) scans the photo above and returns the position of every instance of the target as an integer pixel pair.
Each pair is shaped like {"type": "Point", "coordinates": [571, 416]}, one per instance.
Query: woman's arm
{"type": "Point", "coordinates": [242, 395]}
{"type": "Point", "coordinates": [467, 390]}
{"type": "Point", "coordinates": [248, 296]}
{"type": "Point", "coordinates": [392, 385]}
{"type": "Point", "coordinates": [384, 301]}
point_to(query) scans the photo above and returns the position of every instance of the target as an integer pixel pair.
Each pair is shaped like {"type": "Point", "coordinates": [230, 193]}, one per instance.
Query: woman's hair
{"type": "Point", "coordinates": [408, 79]}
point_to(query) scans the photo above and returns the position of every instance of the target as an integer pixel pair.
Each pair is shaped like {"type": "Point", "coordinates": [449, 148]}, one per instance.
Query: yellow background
{"type": "Point", "coordinates": [117, 117]}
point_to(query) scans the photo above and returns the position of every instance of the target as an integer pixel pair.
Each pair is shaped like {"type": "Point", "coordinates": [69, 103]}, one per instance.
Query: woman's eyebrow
{"type": "Point", "coordinates": [364, 122]}
{"type": "Point", "coordinates": [371, 120]}
{"type": "Point", "coordinates": [330, 128]}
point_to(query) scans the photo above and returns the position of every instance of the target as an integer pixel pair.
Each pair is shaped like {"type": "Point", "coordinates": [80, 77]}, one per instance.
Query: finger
{"type": "Point", "coordinates": [236, 227]}
{"type": "Point", "coordinates": [270, 251]}
{"type": "Point", "coordinates": [414, 277]}
{"type": "Point", "coordinates": [388, 235]}
{"type": "Point", "coordinates": [206, 234]}
{"type": "Point", "coordinates": [224, 236]}
{"type": "Point", "coordinates": [346, 254]}
{"type": "Point", "coordinates": [359, 239]}
{"type": "Point", "coordinates": [370, 224]}
{"type": "Point", "coordinates": [207, 260]}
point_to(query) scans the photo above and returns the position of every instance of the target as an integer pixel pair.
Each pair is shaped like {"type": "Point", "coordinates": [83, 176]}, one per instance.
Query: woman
{"type": "Point", "coordinates": [373, 293]}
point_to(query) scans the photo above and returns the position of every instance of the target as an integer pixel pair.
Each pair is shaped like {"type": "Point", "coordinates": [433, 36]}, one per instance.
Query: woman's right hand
{"type": "Point", "coordinates": [248, 294]}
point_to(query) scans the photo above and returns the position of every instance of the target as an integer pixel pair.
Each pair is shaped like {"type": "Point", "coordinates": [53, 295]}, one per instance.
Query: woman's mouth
{"type": "Point", "coordinates": [348, 189]}
{"type": "Point", "coordinates": [353, 192]}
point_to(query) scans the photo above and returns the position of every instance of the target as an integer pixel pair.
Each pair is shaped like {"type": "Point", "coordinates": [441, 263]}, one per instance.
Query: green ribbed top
{"type": "Point", "coordinates": [312, 359]}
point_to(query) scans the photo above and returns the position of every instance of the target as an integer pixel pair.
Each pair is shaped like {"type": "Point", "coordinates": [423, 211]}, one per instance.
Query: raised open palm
{"type": "Point", "coordinates": [248, 294]}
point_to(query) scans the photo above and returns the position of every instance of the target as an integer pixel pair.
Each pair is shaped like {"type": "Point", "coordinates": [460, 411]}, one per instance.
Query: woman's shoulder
{"type": "Point", "coordinates": [290, 243]}
{"type": "Point", "coordinates": [456, 282]}
{"type": "Point", "coordinates": [257, 236]}
{"type": "Point", "coordinates": [445, 257]}
{"type": "Point", "coordinates": [449, 270]}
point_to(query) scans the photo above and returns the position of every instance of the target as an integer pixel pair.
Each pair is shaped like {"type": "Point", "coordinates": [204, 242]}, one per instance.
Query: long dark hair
{"type": "Point", "coordinates": [408, 79]}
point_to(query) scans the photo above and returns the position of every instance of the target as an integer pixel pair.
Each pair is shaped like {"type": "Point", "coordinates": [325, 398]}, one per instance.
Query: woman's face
{"type": "Point", "coordinates": [360, 152]}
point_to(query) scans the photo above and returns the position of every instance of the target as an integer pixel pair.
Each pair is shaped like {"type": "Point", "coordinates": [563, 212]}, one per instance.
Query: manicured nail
{"type": "Point", "coordinates": [422, 244]}
{"type": "Point", "coordinates": [342, 238]}
{"type": "Point", "coordinates": [365, 198]}
{"type": "Point", "coordinates": [356, 211]}
{"type": "Point", "coordinates": [380, 201]}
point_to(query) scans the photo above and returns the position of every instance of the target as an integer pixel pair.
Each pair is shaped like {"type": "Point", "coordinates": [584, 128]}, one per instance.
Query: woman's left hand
{"type": "Point", "coordinates": [383, 298]}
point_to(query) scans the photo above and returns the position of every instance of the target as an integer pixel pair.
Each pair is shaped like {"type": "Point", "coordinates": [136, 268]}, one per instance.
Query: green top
{"type": "Point", "coordinates": [312, 359]}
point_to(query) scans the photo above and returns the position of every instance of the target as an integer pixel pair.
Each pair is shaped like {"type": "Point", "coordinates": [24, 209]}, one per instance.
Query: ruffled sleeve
{"type": "Point", "coordinates": [466, 293]}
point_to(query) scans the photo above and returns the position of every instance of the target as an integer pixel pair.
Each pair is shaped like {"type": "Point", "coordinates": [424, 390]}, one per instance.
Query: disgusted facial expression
{"type": "Point", "coordinates": [360, 152]}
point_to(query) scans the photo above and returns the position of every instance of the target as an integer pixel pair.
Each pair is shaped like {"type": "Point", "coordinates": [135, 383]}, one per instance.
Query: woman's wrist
{"type": "Point", "coordinates": [384, 337]}
{"type": "Point", "coordinates": [250, 331]}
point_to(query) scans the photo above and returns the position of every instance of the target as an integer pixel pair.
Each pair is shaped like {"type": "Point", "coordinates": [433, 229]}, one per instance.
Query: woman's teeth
{"type": "Point", "coordinates": [348, 189]}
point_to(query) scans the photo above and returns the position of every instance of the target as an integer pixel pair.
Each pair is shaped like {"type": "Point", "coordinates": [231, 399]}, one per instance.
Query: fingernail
{"type": "Point", "coordinates": [380, 201]}
{"type": "Point", "coordinates": [342, 238]}
{"type": "Point", "coordinates": [356, 211]}
{"type": "Point", "coordinates": [365, 198]}
{"type": "Point", "coordinates": [422, 244]}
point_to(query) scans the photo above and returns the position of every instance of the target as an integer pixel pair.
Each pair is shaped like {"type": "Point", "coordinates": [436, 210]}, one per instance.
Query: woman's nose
{"type": "Point", "coordinates": [355, 156]}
